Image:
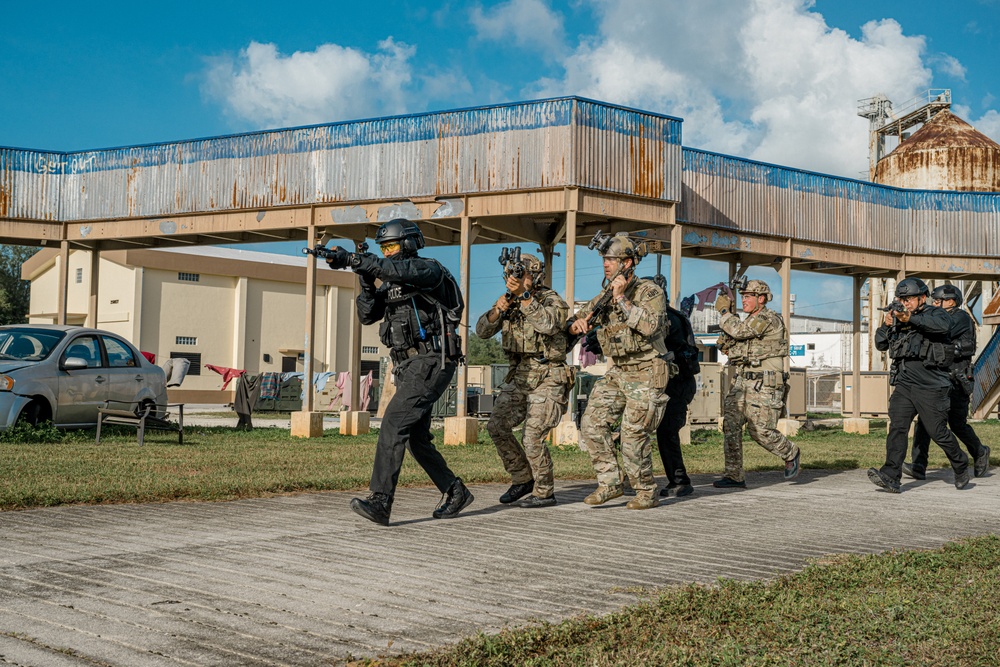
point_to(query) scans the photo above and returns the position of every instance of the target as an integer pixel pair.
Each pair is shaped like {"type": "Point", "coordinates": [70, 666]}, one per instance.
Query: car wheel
{"type": "Point", "coordinates": [142, 407]}
{"type": "Point", "coordinates": [34, 413]}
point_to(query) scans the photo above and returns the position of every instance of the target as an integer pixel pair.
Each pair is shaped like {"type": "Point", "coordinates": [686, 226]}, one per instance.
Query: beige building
{"type": "Point", "coordinates": [218, 306]}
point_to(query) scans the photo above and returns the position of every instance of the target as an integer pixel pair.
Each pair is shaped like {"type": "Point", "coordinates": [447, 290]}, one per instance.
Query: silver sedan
{"type": "Point", "coordinates": [64, 374]}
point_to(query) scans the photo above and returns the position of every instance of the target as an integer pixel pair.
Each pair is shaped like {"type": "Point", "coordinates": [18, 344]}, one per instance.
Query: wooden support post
{"type": "Point", "coordinates": [463, 429]}
{"type": "Point", "coordinates": [308, 423]}
{"type": "Point", "coordinates": [95, 283]}
{"type": "Point", "coordinates": [63, 282]}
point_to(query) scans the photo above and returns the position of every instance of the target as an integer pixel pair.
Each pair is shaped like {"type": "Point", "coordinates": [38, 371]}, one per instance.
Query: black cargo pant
{"type": "Point", "coordinates": [931, 404]}
{"type": "Point", "coordinates": [958, 415]}
{"type": "Point", "coordinates": [406, 424]}
{"type": "Point", "coordinates": [680, 392]}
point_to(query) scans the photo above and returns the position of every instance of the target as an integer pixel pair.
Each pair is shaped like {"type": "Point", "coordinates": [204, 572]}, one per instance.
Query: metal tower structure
{"type": "Point", "coordinates": [885, 120]}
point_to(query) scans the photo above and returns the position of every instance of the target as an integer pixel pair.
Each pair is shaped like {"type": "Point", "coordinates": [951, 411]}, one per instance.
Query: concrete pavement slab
{"type": "Point", "coordinates": [301, 580]}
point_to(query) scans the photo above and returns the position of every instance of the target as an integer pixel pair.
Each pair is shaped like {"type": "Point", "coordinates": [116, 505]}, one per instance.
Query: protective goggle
{"type": "Point", "coordinates": [389, 248]}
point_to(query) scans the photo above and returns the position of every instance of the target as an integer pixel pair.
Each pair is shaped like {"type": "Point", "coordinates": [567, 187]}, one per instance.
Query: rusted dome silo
{"type": "Point", "coordinates": [945, 154]}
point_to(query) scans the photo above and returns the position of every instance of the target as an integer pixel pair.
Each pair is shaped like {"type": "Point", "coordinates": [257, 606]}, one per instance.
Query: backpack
{"type": "Point", "coordinates": [686, 358]}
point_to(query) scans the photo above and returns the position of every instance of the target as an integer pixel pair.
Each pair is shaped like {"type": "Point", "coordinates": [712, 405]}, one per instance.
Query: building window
{"type": "Point", "coordinates": [189, 277]}
{"type": "Point", "coordinates": [186, 340]}
{"type": "Point", "coordinates": [810, 346]}
{"type": "Point", "coordinates": [79, 275]}
{"type": "Point", "coordinates": [193, 357]}
{"type": "Point", "coordinates": [369, 349]}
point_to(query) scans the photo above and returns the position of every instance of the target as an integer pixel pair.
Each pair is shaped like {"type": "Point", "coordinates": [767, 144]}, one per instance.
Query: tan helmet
{"type": "Point", "coordinates": [622, 247]}
{"type": "Point", "coordinates": [757, 287]}
{"type": "Point", "coordinates": [533, 266]}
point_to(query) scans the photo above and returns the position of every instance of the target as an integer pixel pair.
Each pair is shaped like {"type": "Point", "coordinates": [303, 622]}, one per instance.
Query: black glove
{"type": "Point", "coordinates": [366, 264]}
{"type": "Point", "coordinates": [338, 258]}
{"type": "Point", "coordinates": [591, 343]}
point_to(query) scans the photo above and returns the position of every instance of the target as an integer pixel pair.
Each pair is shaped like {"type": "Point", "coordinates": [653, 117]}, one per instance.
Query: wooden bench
{"type": "Point", "coordinates": [141, 417]}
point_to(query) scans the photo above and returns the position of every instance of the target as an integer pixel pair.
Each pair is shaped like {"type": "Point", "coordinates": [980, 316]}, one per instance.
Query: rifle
{"type": "Point", "coordinates": [321, 251]}
{"type": "Point", "coordinates": [510, 260]}
{"type": "Point", "coordinates": [600, 305]}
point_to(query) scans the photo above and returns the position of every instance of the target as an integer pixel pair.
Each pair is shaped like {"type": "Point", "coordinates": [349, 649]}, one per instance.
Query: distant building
{"type": "Point", "coordinates": [218, 306]}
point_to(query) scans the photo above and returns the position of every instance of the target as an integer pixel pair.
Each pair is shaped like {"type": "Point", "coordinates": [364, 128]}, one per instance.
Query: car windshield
{"type": "Point", "coordinates": [28, 344]}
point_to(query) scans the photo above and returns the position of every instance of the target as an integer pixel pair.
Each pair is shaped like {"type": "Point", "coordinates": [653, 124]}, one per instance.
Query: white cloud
{"type": "Point", "coordinates": [266, 88]}
{"type": "Point", "coordinates": [989, 124]}
{"type": "Point", "coordinates": [949, 65]}
{"type": "Point", "coordinates": [530, 24]}
{"type": "Point", "coordinates": [767, 79]}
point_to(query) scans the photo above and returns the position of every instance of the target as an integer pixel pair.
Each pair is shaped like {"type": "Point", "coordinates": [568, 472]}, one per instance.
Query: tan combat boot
{"type": "Point", "coordinates": [642, 501]}
{"type": "Point", "coordinates": [603, 494]}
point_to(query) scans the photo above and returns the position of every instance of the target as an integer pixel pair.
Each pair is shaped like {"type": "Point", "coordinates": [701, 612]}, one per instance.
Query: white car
{"type": "Point", "coordinates": [64, 374]}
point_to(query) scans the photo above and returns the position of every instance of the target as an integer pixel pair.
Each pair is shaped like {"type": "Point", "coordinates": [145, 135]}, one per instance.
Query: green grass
{"type": "Point", "coordinates": [904, 608]}
{"type": "Point", "coordinates": [220, 463]}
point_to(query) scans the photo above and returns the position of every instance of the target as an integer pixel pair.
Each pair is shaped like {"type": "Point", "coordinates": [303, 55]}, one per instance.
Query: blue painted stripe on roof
{"type": "Point", "coordinates": [799, 180]}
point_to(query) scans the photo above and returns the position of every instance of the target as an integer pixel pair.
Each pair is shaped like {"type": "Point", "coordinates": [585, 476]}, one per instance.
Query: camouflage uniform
{"type": "Point", "coordinates": [536, 390]}
{"type": "Point", "coordinates": [756, 348]}
{"type": "Point", "coordinates": [633, 390]}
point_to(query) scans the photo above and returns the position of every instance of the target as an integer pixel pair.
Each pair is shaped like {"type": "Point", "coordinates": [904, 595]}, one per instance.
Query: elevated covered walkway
{"type": "Point", "coordinates": [545, 172]}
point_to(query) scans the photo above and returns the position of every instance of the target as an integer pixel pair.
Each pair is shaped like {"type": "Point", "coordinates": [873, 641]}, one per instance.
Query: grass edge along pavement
{"type": "Point", "coordinates": [927, 607]}
{"type": "Point", "coordinates": [221, 463]}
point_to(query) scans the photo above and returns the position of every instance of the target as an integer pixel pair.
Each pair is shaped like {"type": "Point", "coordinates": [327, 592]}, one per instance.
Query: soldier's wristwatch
{"type": "Point", "coordinates": [525, 296]}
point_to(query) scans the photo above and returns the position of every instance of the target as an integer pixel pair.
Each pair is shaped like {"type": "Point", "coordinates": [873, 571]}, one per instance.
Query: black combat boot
{"type": "Point", "coordinates": [675, 490]}
{"type": "Point", "coordinates": [883, 481]}
{"type": "Point", "coordinates": [728, 483]}
{"type": "Point", "coordinates": [516, 492]}
{"type": "Point", "coordinates": [459, 497]}
{"type": "Point", "coordinates": [982, 464]}
{"type": "Point", "coordinates": [910, 471]}
{"type": "Point", "coordinates": [535, 501]}
{"type": "Point", "coordinates": [376, 508]}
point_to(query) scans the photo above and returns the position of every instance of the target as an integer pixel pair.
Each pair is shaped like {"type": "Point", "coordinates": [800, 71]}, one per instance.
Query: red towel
{"type": "Point", "coordinates": [226, 373]}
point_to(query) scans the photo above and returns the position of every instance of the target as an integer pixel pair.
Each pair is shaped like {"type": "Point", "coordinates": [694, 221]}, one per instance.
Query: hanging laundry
{"type": "Point", "coordinates": [228, 374]}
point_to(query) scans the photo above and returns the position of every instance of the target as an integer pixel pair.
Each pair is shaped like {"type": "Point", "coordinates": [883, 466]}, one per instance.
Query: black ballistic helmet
{"type": "Point", "coordinates": [403, 232]}
{"type": "Point", "coordinates": [911, 287]}
{"type": "Point", "coordinates": [943, 292]}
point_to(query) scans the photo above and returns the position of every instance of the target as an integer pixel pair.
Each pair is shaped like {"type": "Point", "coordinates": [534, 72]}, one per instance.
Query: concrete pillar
{"type": "Point", "coordinates": [307, 423]}
{"type": "Point", "coordinates": [566, 432]}
{"type": "Point", "coordinates": [463, 429]}
{"type": "Point", "coordinates": [788, 426]}
{"type": "Point", "coordinates": [95, 283]}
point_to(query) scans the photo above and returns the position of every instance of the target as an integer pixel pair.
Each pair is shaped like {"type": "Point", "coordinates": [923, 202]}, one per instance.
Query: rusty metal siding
{"type": "Point", "coordinates": [743, 195]}
{"type": "Point", "coordinates": [29, 184]}
{"type": "Point", "coordinates": [512, 147]}
{"type": "Point", "coordinates": [627, 151]}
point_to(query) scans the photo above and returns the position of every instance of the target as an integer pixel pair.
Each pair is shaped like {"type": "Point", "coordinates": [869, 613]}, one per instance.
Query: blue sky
{"type": "Point", "coordinates": [776, 80]}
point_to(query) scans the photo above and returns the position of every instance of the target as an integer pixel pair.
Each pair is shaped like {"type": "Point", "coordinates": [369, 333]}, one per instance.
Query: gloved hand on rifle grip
{"type": "Point", "coordinates": [338, 258]}
{"type": "Point", "coordinates": [591, 344]}
{"type": "Point", "coordinates": [723, 304]}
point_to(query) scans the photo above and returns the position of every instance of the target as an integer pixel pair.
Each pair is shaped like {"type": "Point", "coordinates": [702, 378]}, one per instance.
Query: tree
{"type": "Point", "coordinates": [484, 352]}
{"type": "Point", "coordinates": [15, 294]}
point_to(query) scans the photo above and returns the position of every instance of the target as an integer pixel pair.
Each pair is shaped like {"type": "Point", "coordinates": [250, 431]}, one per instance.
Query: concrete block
{"type": "Point", "coordinates": [307, 424]}
{"type": "Point", "coordinates": [354, 423]}
{"type": "Point", "coordinates": [685, 434]}
{"type": "Point", "coordinates": [461, 430]}
{"type": "Point", "coordinates": [856, 425]}
{"type": "Point", "coordinates": [565, 433]}
{"type": "Point", "coordinates": [788, 427]}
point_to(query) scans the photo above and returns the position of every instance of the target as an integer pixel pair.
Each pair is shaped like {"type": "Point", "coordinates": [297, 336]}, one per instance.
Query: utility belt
{"type": "Point", "coordinates": [772, 379]}
{"type": "Point", "coordinates": [399, 355]}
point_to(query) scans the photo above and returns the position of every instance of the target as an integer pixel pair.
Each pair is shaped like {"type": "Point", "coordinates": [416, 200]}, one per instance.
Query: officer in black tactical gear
{"type": "Point", "coordinates": [420, 305]}
{"type": "Point", "coordinates": [918, 338]}
{"type": "Point", "coordinates": [681, 389]}
{"type": "Point", "coordinates": [963, 337]}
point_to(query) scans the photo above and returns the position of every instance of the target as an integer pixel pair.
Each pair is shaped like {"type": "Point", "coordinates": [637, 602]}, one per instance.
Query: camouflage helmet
{"type": "Point", "coordinates": [943, 292]}
{"type": "Point", "coordinates": [911, 287]}
{"type": "Point", "coordinates": [757, 287]}
{"type": "Point", "coordinates": [620, 246]}
{"type": "Point", "coordinates": [534, 266]}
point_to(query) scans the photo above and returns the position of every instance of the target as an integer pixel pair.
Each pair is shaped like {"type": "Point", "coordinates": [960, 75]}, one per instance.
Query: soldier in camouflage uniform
{"type": "Point", "coordinates": [531, 318]}
{"type": "Point", "coordinates": [756, 348]}
{"type": "Point", "coordinates": [631, 330]}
